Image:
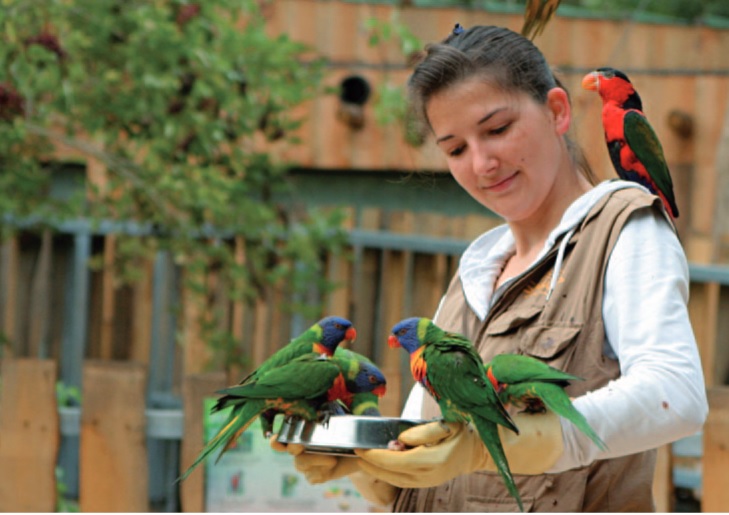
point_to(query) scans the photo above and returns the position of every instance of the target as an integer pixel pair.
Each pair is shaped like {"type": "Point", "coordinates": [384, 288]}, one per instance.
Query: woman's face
{"type": "Point", "coordinates": [505, 149]}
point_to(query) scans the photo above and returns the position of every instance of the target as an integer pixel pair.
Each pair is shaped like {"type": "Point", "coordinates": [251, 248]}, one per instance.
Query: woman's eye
{"type": "Point", "coordinates": [456, 151]}
{"type": "Point", "coordinates": [499, 130]}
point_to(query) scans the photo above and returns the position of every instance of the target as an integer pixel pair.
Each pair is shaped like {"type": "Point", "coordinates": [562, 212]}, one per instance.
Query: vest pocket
{"type": "Point", "coordinates": [547, 341]}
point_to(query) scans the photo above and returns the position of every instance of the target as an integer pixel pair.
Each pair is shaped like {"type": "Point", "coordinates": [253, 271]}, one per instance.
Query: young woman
{"type": "Point", "coordinates": [590, 278]}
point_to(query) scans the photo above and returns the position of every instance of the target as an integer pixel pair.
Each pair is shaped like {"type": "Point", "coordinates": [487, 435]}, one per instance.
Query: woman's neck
{"type": "Point", "coordinates": [531, 234]}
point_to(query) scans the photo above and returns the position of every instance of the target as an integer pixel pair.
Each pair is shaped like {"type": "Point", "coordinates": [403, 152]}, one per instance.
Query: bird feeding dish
{"type": "Point", "coordinates": [344, 433]}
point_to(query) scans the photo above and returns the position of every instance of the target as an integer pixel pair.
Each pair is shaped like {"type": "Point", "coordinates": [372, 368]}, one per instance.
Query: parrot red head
{"type": "Point", "coordinates": [613, 86]}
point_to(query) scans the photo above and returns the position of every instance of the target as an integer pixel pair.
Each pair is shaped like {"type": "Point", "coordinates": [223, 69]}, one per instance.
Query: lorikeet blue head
{"type": "Point", "coordinates": [369, 378]}
{"type": "Point", "coordinates": [409, 334]}
{"type": "Point", "coordinates": [334, 331]}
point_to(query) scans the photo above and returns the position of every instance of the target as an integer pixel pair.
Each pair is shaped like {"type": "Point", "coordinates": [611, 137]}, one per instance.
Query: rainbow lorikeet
{"type": "Point", "coordinates": [447, 365]}
{"type": "Point", "coordinates": [536, 15]}
{"type": "Point", "coordinates": [307, 387]}
{"type": "Point", "coordinates": [527, 382]}
{"type": "Point", "coordinates": [634, 148]}
{"type": "Point", "coordinates": [360, 402]}
{"type": "Point", "coordinates": [323, 338]}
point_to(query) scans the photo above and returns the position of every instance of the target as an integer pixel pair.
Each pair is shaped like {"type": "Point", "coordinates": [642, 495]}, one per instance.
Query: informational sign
{"type": "Point", "coordinates": [252, 477]}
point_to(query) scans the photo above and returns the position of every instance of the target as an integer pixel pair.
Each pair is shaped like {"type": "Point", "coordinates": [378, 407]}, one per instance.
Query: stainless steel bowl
{"type": "Point", "coordinates": [343, 433]}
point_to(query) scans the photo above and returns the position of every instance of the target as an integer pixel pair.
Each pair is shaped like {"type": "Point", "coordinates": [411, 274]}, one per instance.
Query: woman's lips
{"type": "Point", "coordinates": [501, 185]}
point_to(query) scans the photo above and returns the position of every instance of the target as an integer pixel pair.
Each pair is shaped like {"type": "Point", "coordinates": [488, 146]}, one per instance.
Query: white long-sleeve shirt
{"type": "Point", "coordinates": [660, 396]}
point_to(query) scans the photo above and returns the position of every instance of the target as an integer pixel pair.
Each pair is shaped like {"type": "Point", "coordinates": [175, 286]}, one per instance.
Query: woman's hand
{"type": "Point", "coordinates": [441, 451]}
{"type": "Point", "coordinates": [317, 468]}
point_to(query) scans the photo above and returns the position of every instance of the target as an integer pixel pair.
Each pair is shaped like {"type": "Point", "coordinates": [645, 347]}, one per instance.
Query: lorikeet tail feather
{"type": "Point", "coordinates": [557, 400]}
{"type": "Point", "coordinates": [237, 423]}
{"type": "Point", "coordinates": [489, 433]}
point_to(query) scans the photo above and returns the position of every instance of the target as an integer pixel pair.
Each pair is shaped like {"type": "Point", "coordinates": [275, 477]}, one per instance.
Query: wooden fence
{"type": "Point", "coordinates": [393, 273]}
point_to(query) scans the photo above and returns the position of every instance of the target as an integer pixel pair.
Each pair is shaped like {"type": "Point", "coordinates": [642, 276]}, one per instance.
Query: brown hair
{"type": "Point", "coordinates": [500, 56]}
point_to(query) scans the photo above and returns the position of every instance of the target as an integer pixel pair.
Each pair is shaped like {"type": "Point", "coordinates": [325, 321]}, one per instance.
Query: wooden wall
{"type": "Point", "coordinates": [675, 68]}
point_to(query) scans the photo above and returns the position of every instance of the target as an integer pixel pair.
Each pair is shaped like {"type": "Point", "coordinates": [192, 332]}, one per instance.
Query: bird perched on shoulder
{"type": "Point", "coordinates": [449, 368]}
{"type": "Point", "coordinates": [536, 15]}
{"type": "Point", "coordinates": [635, 150]}
{"type": "Point", "coordinates": [309, 386]}
{"type": "Point", "coordinates": [529, 383]}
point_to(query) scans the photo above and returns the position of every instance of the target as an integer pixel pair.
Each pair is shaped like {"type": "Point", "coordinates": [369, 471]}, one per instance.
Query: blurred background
{"type": "Point", "coordinates": [184, 186]}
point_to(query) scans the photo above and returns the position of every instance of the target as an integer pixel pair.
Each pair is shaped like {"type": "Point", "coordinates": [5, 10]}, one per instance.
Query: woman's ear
{"type": "Point", "coordinates": [558, 102]}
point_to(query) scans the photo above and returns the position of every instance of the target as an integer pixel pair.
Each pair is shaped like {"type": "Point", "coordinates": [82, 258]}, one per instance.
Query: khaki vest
{"type": "Point", "coordinates": [567, 332]}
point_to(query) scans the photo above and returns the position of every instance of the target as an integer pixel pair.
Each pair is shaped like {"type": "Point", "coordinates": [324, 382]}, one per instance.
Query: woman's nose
{"type": "Point", "coordinates": [484, 161]}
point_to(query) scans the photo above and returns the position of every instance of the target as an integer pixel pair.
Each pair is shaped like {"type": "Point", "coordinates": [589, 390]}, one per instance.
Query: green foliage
{"type": "Point", "coordinates": [391, 103]}
{"type": "Point", "coordinates": [63, 505]}
{"type": "Point", "coordinates": [66, 395]}
{"type": "Point", "coordinates": [182, 102]}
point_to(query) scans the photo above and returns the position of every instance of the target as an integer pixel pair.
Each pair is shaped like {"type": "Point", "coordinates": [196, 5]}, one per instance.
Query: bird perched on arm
{"type": "Point", "coordinates": [536, 15]}
{"type": "Point", "coordinates": [526, 382]}
{"type": "Point", "coordinates": [449, 368]}
{"type": "Point", "coordinates": [307, 387]}
{"type": "Point", "coordinates": [634, 148]}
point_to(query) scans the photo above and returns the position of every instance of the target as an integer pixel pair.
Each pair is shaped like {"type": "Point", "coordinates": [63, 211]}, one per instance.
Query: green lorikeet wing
{"type": "Point", "coordinates": [553, 397]}
{"type": "Point", "coordinates": [515, 368]}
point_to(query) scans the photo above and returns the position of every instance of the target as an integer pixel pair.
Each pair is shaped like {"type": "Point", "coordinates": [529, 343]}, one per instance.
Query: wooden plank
{"type": "Point", "coordinates": [339, 270]}
{"type": "Point", "coordinates": [663, 481]}
{"type": "Point", "coordinates": [113, 452]}
{"type": "Point", "coordinates": [194, 389]}
{"type": "Point", "coordinates": [29, 435]}
{"type": "Point", "coordinates": [366, 268]}
{"type": "Point", "coordinates": [703, 312]}
{"type": "Point", "coordinates": [395, 277]}
{"type": "Point", "coordinates": [9, 255]}
{"type": "Point", "coordinates": [715, 488]}
{"type": "Point", "coordinates": [141, 341]}
{"type": "Point", "coordinates": [40, 306]}
{"type": "Point", "coordinates": [196, 354]}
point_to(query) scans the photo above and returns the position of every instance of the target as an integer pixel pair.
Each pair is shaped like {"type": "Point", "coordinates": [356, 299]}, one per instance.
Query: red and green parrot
{"type": "Point", "coordinates": [634, 148]}
{"type": "Point", "coordinates": [449, 368]}
{"type": "Point", "coordinates": [536, 15]}
{"type": "Point", "coordinates": [311, 387]}
{"type": "Point", "coordinates": [527, 382]}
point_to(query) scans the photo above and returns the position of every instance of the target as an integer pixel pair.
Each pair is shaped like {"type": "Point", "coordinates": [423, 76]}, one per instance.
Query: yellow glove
{"type": "Point", "coordinates": [320, 468]}
{"type": "Point", "coordinates": [441, 451]}
{"type": "Point", "coordinates": [317, 468]}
